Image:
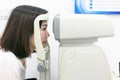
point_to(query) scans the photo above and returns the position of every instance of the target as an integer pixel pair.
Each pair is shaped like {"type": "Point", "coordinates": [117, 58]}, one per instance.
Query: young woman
{"type": "Point", "coordinates": [17, 41]}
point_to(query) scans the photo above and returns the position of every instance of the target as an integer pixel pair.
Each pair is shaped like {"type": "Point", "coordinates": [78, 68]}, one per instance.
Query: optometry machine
{"type": "Point", "coordinates": [42, 53]}
{"type": "Point", "coordinates": [79, 58]}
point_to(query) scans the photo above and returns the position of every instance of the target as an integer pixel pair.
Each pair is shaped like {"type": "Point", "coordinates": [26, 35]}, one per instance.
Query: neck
{"type": "Point", "coordinates": [23, 61]}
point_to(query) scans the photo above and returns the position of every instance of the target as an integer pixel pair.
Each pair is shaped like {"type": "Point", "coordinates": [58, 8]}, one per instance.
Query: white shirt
{"type": "Point", "coordinates": [11, 67]}
{"type": "Point", "coordinates": [31, 67]}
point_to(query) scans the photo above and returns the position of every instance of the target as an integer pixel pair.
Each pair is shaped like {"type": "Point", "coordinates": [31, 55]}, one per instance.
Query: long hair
{"type": "Point", "coordinates": [19, 28]}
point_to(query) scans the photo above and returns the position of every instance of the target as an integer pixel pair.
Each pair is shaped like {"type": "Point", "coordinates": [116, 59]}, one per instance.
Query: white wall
{"type": "Point", "coordinates": [111, 46]}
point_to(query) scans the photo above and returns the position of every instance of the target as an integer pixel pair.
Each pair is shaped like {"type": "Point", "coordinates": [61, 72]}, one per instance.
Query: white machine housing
{"type": "Point", "coordinates": [81, 26]}
{"type": "Point", "coordinates": [43, 54]}
{"type": "Point", "coordinates": [79, 58]}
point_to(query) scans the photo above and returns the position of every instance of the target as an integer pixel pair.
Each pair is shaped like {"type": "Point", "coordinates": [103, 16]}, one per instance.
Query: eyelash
{"type": "Point", "coordinates": [44, 28]}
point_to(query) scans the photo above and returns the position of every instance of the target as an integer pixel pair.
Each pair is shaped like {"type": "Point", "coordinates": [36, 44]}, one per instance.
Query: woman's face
{"type": "Point", "coordinates": [44, 35]}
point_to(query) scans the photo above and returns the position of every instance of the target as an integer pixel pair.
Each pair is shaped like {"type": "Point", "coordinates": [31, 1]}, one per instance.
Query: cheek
{"type": "Point", "coordinates": [42, 36]}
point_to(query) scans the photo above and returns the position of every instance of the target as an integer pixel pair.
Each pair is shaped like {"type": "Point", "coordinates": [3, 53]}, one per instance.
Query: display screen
{"type": "Point", "coordinates": [97, 6]}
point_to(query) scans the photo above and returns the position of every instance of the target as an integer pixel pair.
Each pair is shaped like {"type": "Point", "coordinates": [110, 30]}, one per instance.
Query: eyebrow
{"type": "Point", "coordinates": [44, 24]}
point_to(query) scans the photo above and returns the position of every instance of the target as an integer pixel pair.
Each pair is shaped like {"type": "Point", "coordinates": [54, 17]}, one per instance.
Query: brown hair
{"type": "Point", "coordinates": [19, 29]}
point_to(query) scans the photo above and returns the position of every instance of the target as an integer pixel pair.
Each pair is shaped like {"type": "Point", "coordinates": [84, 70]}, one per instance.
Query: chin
{"type": "Point", "coordinates": [44, 45]}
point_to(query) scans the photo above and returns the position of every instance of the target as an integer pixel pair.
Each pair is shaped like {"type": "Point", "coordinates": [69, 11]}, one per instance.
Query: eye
{"type": "Point", "coordinates": [44, 29]}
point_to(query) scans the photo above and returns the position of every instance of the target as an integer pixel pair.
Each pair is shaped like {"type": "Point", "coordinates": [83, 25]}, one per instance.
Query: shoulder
{"type": "Point", "coordinates": [6, 67]}
{"type": "Point", "coordinates": [10, 66]}
{"type": "Point", "coordinates": [6, 56]}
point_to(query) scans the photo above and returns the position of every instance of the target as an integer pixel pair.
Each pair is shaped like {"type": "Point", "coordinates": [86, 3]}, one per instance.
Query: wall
{"type": "Point", "coordinates": [111, 46]}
